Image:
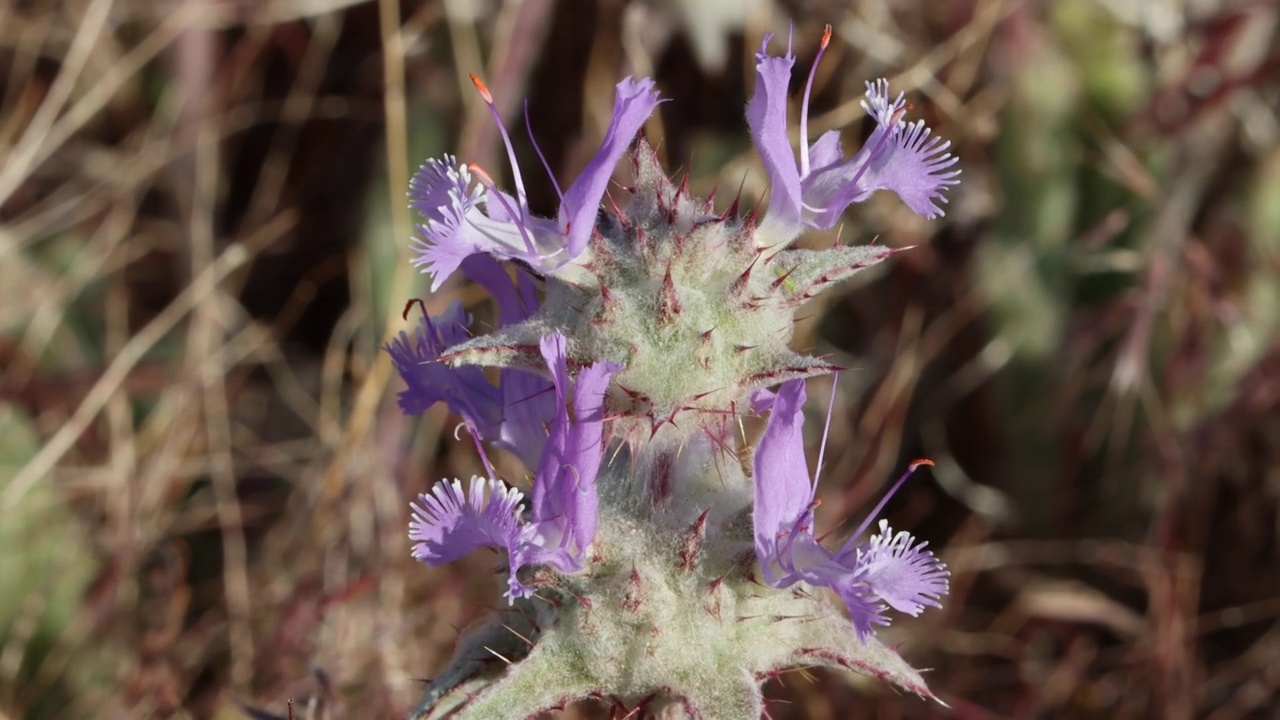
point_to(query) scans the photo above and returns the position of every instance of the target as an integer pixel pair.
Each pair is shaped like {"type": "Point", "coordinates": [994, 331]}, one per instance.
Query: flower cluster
{"type": "Point", "coordinates": [887, 570]}
{"type": "Point", "coordinates": [627, 346]}
{"type": "Point", "coordinates": [449, 524]}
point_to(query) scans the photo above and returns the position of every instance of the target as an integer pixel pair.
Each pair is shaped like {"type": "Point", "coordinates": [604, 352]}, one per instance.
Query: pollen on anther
{"type": "Point", "coordinates": [480, 173]}
{"type": "Point", "coordinates": [484, 90]}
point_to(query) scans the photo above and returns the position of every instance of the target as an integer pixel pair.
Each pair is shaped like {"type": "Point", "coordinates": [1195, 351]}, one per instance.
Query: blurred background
{"type": "Point", "coordinates": [204, 477]}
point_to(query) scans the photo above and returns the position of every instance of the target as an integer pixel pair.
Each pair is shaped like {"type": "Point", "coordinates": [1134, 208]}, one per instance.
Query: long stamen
{"type": "Point", "coordinates": [804, 107]}
{"type": "Point", "coordinates": [826, 429]}
{"type": "Point", "coordinates": [511, 212]}
{"type": "Point", "coordinates": [529, 129]}
{"type": "Point", "coordinates": [875, 512]}
{"type": "Point", "coordinates": [506, 140]}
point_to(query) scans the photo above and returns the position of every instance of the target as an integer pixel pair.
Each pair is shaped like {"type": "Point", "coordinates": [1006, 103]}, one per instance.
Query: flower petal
{"type": "Point", "coordinates": [767, 118]}
{"type": "Point", "coordinates": [442, 186]}
{"type": "Point", "coordinates": [517, 300]}
{"type": "Point", "coordinates": [565, 500]}
{"type": "Point", "coordinates": [455, 226]}
{"type": "Point", "coordinates": [632, 105]}
{"type": "Point", "coordinates": [464, 389]}
{"type": "Point", "coordinates": [826, 152]}
{"type": "Point", "coordinates": [584, 448]}
{"type": "Point", "coordinates": [447, 524]}
{"type": "Point", "coordinates": [528, 403]}
{"type": "Point", "coordinates": [901, 572]}
{"type": "Point", "coordinates": [866, 610]}
{"type": "Point", "coordinates": [901, 157]}
{"type": "Point", "coordinates": [783, 490]}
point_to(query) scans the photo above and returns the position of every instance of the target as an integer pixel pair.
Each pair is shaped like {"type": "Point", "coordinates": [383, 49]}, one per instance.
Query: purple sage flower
{"type": "Point", "coordinates": [815, 188]}
{"type": "Point", "coordinates": [888, 570]}
{"type": "Point", "coordinates": [448, 523]}
{"type": "Point", "coordinates": [516, 414]}
{"type": "Point", "coordinates": [428, 381]}
{"type": "Point", "coordinates": [464, 218]}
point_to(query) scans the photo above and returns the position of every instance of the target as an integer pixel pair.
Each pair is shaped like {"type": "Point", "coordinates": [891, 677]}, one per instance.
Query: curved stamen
{"type": "Point", "coordinates": [826, 427]}
{"type": "Point", "coordinates": [506, 140]}
{"type": "Point", "coordinates": [529, 129]}
{"type": "Point", "coordinates": [875, 512]}
{"type": "Point", "coordinates": [511, 212]}
{"type": "Point", "coordinates": [804, 107]}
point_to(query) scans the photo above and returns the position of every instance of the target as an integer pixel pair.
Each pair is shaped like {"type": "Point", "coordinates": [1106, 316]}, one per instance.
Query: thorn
{"type": "Point", "coordinates": [716, 583]}
{"type": "Point", "coordinates": [631, 600]}
{"type": "Point", "coordinates": [491, 651]}
{"type": "Point", "coordinates": [526, 640]}
{"type": "Point", "coordinates": [691, 543]}
{"type": "Point", "coordinates": [737, 199]}
{"type": "Point", "coordinates": [782, 278]}
{"type": "Point", "coordinates": [713, 609]}
{"type": "Point", "coordinates": [739, 284]}
{"type": "Point", "coordinates": [618, 213]}
{"type": "Point", "coordinates": [669, 303]}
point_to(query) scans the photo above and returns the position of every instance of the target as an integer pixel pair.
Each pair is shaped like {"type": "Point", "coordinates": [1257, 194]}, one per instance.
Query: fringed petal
{"type": "Point", "coordinates": [448, 524]}
{"type": "Point", "coordinates": [903, 573]}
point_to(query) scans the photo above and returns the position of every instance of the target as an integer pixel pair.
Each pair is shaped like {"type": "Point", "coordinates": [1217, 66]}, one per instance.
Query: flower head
{"type": "Point", "coordinates": [887, 570]}
{"type": "Point", "coordinates": [816, 187]}
{"type": "Point", "coordinates": [669, 318]}
{"type": "Point", "coordinates": [447, 523]}
{"type": "Point", "coordinates": [464, 214]}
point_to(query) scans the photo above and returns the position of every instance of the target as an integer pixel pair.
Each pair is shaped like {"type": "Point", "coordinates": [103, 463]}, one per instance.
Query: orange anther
{"type": "Point", "coordinates": [481, 174]}
{"type": "Point", "coordinates": [917, 463]}
{"type": "Point", "coordinates": [826, 36]}
{"type": "Point", "coordinates": [484, 90]}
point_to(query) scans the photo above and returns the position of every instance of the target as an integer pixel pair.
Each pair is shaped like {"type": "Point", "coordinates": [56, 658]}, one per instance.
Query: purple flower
{"type": "Point", "coordinates": [465, 390]}
{"type": "Point", "coordinates": [562, 520]}
{"type": "Point", "coordinates": [899, 156]}
{"type": "Point", "coordinates": [528, 401]}
{"type": "Point", "coordinates": [514, 415]}
{"type": "Point", "coordinates": [463, 218]}
{"type": "Point", "coordinates": [888, 570]}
